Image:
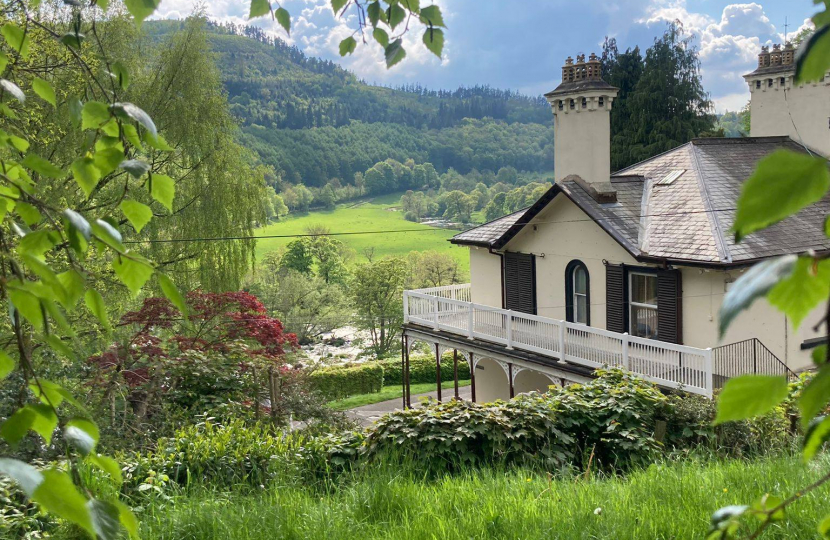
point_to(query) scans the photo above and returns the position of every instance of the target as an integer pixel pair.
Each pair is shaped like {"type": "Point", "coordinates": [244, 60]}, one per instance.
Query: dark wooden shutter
{"type": "Point", "coordinates": [520, 282]}
{"type": "Point", "coordinates": [669, 306]}
{"type": "Point", "coordinates": [615, 306]}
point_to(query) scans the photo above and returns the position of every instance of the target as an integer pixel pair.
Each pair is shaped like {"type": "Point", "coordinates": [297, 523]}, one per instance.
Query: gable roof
{"type": "Point", "coordinates": [679, 207]}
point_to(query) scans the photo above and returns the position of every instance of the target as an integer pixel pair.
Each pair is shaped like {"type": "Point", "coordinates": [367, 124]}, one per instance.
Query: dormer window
{"type": "Point", "coordinates": [602, 102]}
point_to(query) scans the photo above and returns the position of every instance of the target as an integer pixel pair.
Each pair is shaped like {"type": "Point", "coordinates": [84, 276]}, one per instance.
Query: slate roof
{"type": "Point", "coordinates": [583, 85]}
{"type": "Point", "coordinates": [687, 220]}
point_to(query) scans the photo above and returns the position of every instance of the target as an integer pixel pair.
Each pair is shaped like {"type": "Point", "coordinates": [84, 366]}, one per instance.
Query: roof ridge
{"type": "Point", "coordinates": [492, 221]}
{"type": "Point", "coordinates": [652, 158]}
{"type": "Point", "coordinates": [712, 216]}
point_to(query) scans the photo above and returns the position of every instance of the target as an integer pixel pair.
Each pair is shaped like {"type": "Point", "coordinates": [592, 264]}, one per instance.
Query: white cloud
{"type": "Point", "coordinates": [728, 47]}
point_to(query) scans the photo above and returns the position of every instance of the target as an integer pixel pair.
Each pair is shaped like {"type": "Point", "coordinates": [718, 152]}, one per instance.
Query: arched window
{"type": "Point", "coordinates": [577, 293]}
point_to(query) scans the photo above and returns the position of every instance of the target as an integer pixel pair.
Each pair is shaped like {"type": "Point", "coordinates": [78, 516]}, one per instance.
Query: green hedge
{"type": "Point", "coordinates": [342, 381]}
{"type": "Point", "coordinates": [422, 369]}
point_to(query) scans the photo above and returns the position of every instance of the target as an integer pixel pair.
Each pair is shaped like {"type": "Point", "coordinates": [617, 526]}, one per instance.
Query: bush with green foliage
{"type": "Point", "coordinates": [422, 369]}
{"type": "Point", "coordinates": [337, 382]}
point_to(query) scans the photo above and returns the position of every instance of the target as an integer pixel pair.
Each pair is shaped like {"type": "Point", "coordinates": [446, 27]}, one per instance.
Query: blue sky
{"type": "Point", "coordinates": [521, 44]}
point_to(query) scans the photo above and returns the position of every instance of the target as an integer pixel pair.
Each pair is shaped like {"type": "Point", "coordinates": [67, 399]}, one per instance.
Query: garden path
{"type": "Point", "coordinates": [367, 414]}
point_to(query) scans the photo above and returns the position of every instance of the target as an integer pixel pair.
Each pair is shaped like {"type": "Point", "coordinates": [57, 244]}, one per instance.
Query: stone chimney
{"type": "Point", "coordinates": [779, 107]}
{"type": "Point", "coordinates": [582, 126]}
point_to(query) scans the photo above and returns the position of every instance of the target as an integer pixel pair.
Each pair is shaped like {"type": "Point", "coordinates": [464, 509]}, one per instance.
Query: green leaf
{"type": "Point", "coordinates": [108, 465]}
{"type": "Point", "coordinates": [28, 213]}
{"type": "Point", "coordinates": [38, 242]}
{"type": "Point", "coordinates": [39, 418]}
{"type": "Point", "coordinates": [136, 167]}
{"type": "Point", "coordinates": [284, 19]}
{"type": "Point", "coordinates": [381, 37]}
{"type": "Point", "coordinates": [434, 40]}
{"type": "Point", "coordinates": [748, 396]}
{"type": "Point", "coordinates": [108, 159]}
{"type": "Point", "coordinates": [817, 433]}
{"type": "Point", "coordinates": [259, 8]}
{"type": "Point", "coordinates": [108, 234]}
{"type": "Point", "coordinates": [813, 57]}
{"type": "Point", "coordinates": [132, 273]}
{"type": "Point", "coordinates": [375, 13]}
{"type": "Point", "coordinates": [141, 9]}
{"type": "Point", "coordinates": [824, 527]}
{"type": "Point", "coordinates": [756, 282]}
{"type": "Point", "coordinates": [28, 305]}
{"type": "Point", "coordinates": [815, 395]}
{"type": "Point", "coordinates": [45, 91]}
{"type": "Point", "coordinates": [79, 230]}
{"type": "Point", "coordinates": [60, 347]}
{"type": "Point", "coordinates": [16, 38]}
{"type": "Point", "coordinates": [104, 517]}
{"type": "Point", "coordinates": [800, 292]}
{"type": "Point", "coordinates": [4, 61]}
{"type": "Point", "coordinates": [396, 14]}
{"type": "Point", "coordinates": [394, 53]}
{"type": "Point", "coordinates": [94, 115]}
{"type": "Point", "coordinates": [128, 110]}
{"type": "Point", "coordinates": [51, 393]}
{"type": "Point", "coordinates": [58, 495]}
{"type": "Point", "coordinates": [726, 520]}
{"type": "Point", "coordinates": [783, 183]}
{"type": "Point", "coordinates": [337, 5]}
{"type": "Point", "coordinates": [86, 174]}
{"type": "Point", "coordinates": [819, 355]}
{"type": "Point", "coordinates": [121, 74]}
{"type": "Point", "coordinates": [13, 89]}
{"type": "Point", "coordinates": [163, 189]}
{"type": "Point", "coordinates": [75, 110]}
{"type": "Point", "coordinates": [20, 144]}
{"type": "Point", "coordinates": [42, 166]}
{"type": "Point", "coordinates": [139, 214]}
{"type": "Point", "coordinates": [157, 142]}
{"type": "Point", "coordinates": [7, 365]}
{"type": "Point", "coordinates": [131, 134]}
{"type": "Point", "coordinates": [172, 293]}
{"type": "Point", "coordinates": [765, 505]}
{"type": "Point", "coordinates": [347, 46]}
{"type": "Point", "coordinates": [95, 303]}
{"type": "Point", "coordinates": [27, 477]}
{"type": "Point", "coordinates": [83, 434]}
{"type": "Point", "coordinates": [432, 15]}
{"type": "Point", "coordinates": [127, 519]}
{"type": "Point", "coordinates": [72, 40]}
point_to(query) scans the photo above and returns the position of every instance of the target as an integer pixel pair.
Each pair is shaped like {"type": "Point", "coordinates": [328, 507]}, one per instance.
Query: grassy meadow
{"type": "Point", "coordinates": [665, 501]}
{"type": "Point", "coordinates": [377, 214]}
{"type": "Point", "coordinates": [392, 392]}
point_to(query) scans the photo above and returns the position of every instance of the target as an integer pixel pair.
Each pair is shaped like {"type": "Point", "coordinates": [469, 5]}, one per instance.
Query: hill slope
{"type": "Point", "coordinates": [315, 121]}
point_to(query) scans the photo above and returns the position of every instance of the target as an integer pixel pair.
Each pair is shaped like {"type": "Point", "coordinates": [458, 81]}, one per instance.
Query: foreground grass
{"type": "Point", "coordinates": [379, 214]}
{"type": "Point", "coordinates": [391, 392]}
{"type": "Point", "coordinates": [668, 501]}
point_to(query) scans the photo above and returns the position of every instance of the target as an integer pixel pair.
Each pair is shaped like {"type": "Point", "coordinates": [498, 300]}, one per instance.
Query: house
{"type": "Point", "coordinates": [629, 269]}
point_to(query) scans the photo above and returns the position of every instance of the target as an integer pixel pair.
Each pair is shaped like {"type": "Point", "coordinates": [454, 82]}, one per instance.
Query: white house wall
{"type": "Point", "coordinates": [563, 232]}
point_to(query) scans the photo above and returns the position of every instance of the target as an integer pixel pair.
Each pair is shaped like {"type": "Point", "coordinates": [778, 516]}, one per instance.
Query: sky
{"type": "Point", "coordinates": [522, 44]}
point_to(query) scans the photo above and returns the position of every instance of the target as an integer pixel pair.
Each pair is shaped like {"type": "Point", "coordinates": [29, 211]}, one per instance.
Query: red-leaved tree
{"type": "Point", "coordinates": [220, 354]}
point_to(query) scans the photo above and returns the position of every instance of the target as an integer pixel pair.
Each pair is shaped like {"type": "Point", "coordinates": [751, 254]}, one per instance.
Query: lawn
{"type": "Point", "coordinates": [378, 214]}
{"type": "Point", "coordinates": [667, 501]}
{"type": "Point", "coordinates": [391, 392]}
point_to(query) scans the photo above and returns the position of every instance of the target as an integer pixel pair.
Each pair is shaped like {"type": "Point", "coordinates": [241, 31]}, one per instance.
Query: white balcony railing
{"type": "Point", "coordinates": [450, 309]}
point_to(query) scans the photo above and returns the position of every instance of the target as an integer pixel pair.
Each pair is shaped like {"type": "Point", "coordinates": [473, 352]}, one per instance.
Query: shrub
{"type": "Point", "coordinates": [422, 369]}
{"type": "Point", "coordinates": [611, 418]}
{"type": "Point", "coordinates": [342, 381]}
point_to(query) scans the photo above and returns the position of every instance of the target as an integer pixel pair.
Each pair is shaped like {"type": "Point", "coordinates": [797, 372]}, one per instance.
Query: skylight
{"type": "Point", "coordinates": [671, 177]}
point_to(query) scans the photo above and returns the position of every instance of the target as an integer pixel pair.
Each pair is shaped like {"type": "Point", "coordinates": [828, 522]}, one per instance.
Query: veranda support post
{"type": "Point", "coordinates": [403, 370]}
{"type": "Point", "coordinates": [455, 370]}
{"type": "Point", "coordinates": [472, 379]}
{"type": "Point", "coordinates": [438, 369]}
{"type": "Point", "coordinates": [407, 388]}
{"type": "Point", "coordinates": [510, 377]}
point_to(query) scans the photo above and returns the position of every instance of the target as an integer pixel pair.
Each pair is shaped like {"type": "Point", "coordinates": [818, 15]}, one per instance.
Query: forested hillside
{"type": "Point", "coordinates": [314, 121]}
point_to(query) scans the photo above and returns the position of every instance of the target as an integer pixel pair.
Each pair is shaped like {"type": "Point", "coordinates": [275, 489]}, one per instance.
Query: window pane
{"type": "Point", "coordinates": [643, 322]}
{"type": "Point", "coordinates": [644, 289]}
{"type": "Point", "coordinates": [580, 280]}
{"type": "Point", "coordinates": [581, 315]}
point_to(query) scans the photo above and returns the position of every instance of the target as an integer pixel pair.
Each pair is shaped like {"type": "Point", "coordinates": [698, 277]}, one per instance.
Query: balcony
{"type": "Point", "coordinates": [670, 366]}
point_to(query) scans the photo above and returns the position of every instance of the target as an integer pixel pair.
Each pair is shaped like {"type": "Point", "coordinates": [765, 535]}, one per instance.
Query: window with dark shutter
{"type": "Point", "coordinates": [670, 306]}
{"type": "Point", "coordinates": [520, 282]}
{"type": "Point", "coordinates": [615, 289]}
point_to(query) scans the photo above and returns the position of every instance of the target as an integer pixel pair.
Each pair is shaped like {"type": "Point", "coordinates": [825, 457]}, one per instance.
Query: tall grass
{"type": "Point", "coordinates": [671, 500]}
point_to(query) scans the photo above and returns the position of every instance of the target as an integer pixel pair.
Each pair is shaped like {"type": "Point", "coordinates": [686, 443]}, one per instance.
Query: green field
{"type": "Point", "coordinates": [378, 214]}
{"type": "Point", "coordinates": [391, 392]}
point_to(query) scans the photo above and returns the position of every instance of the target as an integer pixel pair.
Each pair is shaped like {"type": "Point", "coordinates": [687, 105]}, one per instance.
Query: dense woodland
{"type": "Point", "coordinates": [316, 126]}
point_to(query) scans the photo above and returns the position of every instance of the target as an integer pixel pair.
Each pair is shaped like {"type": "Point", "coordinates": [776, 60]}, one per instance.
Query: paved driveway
{"type": "Point", "coordinates": [367, 414]}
